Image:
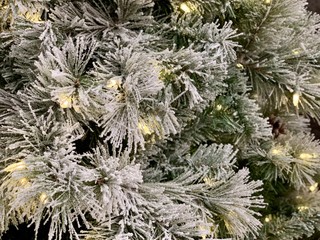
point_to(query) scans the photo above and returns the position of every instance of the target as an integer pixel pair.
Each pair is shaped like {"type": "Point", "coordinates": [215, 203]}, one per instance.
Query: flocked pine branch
{"type": "Point", "coordinates": [155, 95]}
{"type": "Point", "coordinates": [191, 192]}
{"type": "Point", "coordinates": [50, 185]}
{"type": "Point", "coordinates": [277, 71]}
{"type": "Point", "coordinates": [290, 158]}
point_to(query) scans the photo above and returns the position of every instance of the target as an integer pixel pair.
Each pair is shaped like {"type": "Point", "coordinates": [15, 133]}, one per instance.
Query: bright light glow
{"type": "Point", "coordinates": [43, 198]}
{"type": "Point", "coordinates": [302, 208]}
{"type": "Point", "coordinates": [208, 181]}
{"type": "Point", "coordinates": [240, 66]}
{"type": "Point", "coordinates": [65, 100]}
{"type": "Point", "coordinates": [33, 17]}
{"type": "Point", "coordinates": [24, 181]}
{"type": "Point", "coordinates": [16, 167]}
{"type": "Point", "coordinates": [296, 99]}
{"type": "Point", "coordinates": [306, 156]}
{"type": "Point", "coordinates": [313, 187]}
{"type": "Point", "coordinates": [267, 2]}
{"type": "Point", "coordinates": [114, 83]}
{"type": "Point", "coordinates": [295, 52]}
{"type": "Point", "coordinates": [184, 7]}
{"type": "Point", "coordinates": [267, 219]}
{"type": "Point", "coordinates": [144, 128]}
{"type": "Point", "coordinates": [277, 150]}
{"type": "Point", "coordinates": [219, 107]}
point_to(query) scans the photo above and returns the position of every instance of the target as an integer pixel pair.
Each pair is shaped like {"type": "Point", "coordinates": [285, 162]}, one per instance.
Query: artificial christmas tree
{"type": "Point", "coordinates": [141, 119]}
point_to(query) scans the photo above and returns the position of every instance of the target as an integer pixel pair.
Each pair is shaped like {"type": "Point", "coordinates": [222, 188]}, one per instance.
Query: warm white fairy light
{"type": "Point", "coordinates": [306, 156]}
{"type": "Point", "coordinates": [24, 182]}
{"type": "Point", "coordinates": [240, 66]}
{"type": "Point", "coordinates": [302, 208]}
{"type": "Point", "coordinates": [43, 198]}
{"type": "Point", "coordinates": [296, 99]}
{"type": "Point", "coordinates": [114, 83]}
{"type": "Point", "coordinates": [144, 128]}
{"type": "Point", "coordinates": [34, 17]}
{"type": "Point", "coordinates": [313, 187]}
{"type": "Point", "coordinates": [219, 107]}
{"type": "Point", "coordinates": [267, 2]}
{"type": "Point", "coordinates": [209, 181]}
{"type": "Point", "coordinates": [277, 150]}
{"type": "Point", "coordinates": [187, 7]}
{"type": "Point", "coordinates": [268, 218]}
{"type": "Point", "coordinates": [65, 100]}
{"type": "Point", "coordinates": [4, 8]}
{"type": "Point", "coordinates": [184, 7]}
{"type": "Point", "coordinates": [295, 52]}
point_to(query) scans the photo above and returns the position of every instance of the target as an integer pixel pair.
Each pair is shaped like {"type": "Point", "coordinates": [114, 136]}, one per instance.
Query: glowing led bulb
{"type": "Point", "coordinates": [114, 83]}
{"type": "Point", "coordinates": [184, 7]}
{"type": "Point", "coordinates": [144, 128]}
{"type": "Point", "coordinates": [302, 208]}
{"type": "Point", "coordinates": [267, 219]}
{"type": "Point", "coordinates": [240, 66]}
{"type": "Point", "coordinates": [219, 107]}
{"type": "Point", "coordinates": [296, 99]}
{"type": "Point", "coordinates": [313, 187]}
{"type": "Point", "coordinates": [43, 198]}
{"type": "Point", "coordinates": [306, 156]}
{"type": "Point", "coordinates": [24, 181]}
{"type": "Point", "coordinates": [276, 150]}
{"type": "Point", "coordinates": [208, 181]}
{"type": "Point", "coordinates": [16, 167]}
{"type": "Point", "coordinates": [65, 100]}
{"type": "Point", "coordinates": [267, 2]}
{"type": "Point", "coordinates": [33, 17]}
{"type": "Point", "coordinates": [295, 52]}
